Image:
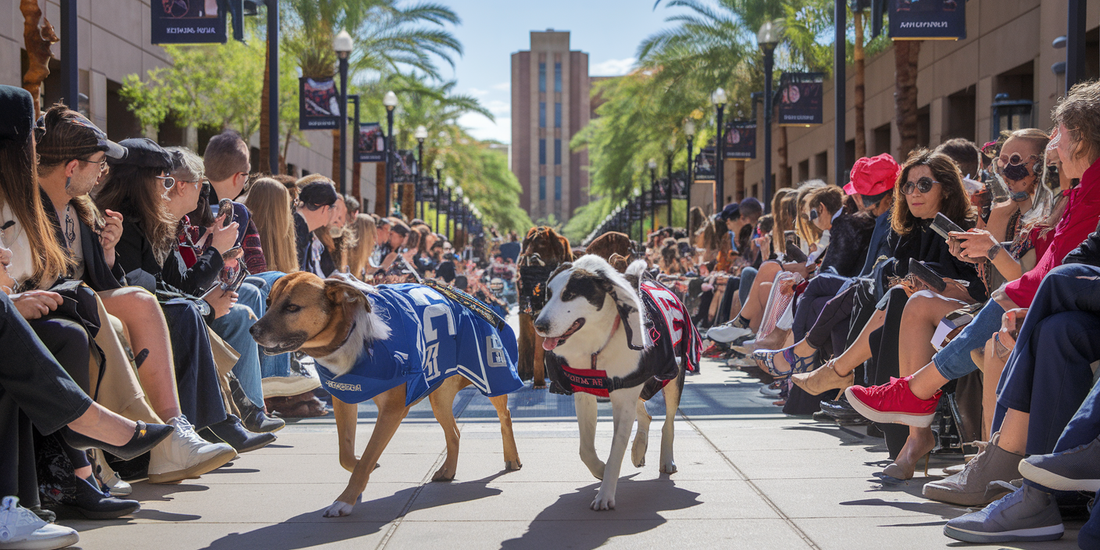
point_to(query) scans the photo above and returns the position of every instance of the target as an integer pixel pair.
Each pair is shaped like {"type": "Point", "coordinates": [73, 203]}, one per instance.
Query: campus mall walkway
{"type": "Point", "coordinates": [749, 477]}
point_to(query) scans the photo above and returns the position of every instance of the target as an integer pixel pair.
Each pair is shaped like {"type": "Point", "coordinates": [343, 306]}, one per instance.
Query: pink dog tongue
{"type": "Point", "coordinates": [550, 343]}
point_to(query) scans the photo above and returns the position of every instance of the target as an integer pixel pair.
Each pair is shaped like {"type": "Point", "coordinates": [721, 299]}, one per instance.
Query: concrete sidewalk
{"type": "Point", "coordinates": [749, 477]}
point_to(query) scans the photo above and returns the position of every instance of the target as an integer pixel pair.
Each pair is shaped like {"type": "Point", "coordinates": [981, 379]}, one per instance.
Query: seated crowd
{"type": "Point", "coordinates": [130, 277]}
{"type": "Point", "coordinates": [958, 289]}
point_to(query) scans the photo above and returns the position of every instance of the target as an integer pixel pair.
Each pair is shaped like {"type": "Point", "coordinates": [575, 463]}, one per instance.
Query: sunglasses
{"type": "Point", "coordinates": [167, 181]}
{"type": "Point", "coordinates": [1015, 159]}
{"type": "Point", "coordinates": [923, 185]}
{"type": "Point", "coordinates": [103, 166]}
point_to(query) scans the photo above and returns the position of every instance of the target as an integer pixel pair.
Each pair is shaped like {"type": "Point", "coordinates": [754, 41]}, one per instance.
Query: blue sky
{"type": "Point", "coordinates": [491, 30]}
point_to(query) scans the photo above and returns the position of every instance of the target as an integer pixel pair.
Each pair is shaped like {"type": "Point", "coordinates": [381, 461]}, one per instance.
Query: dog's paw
{"type": "Point", "coordinates": [603, 502]}
{"type": "Point", "coordinates": [637, 452]}
{"type": "Point", "coordinates": [668, 468]}
{"type": "Point", "coordinates": [444, 473]}
{"type": "Point", "coordinates": [340, 509]}
{"type": "Point", "coordinates": [511, 465]}
{"type": "Point", "coordinates": [536, 385]}
{"type": "Point", "coordinates": [597, 470]}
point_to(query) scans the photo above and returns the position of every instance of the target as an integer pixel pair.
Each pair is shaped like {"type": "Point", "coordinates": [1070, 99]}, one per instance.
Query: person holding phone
{"type": "Point", "coordinates": [225, 161]}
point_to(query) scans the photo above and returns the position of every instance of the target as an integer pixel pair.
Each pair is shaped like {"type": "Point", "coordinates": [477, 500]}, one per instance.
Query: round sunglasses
{"type": "Point", "coordinates": [923, 185]}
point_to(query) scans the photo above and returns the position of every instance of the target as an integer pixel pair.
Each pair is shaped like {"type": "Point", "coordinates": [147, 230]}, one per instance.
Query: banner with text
{"type": "Point", "coordinates": [371, 143]}
{"type": "Point", "coordinates": [704, 164]}
{"type": "Point", "coordinates": [801, 98]}
{"type": "Point", "coordinates": [319, 104]}
{"type": "Point", "coordinates": [679, 185]}
{"type": "Point", "coordinates": [186, 22]}
{"type": "Point", "coordinates": [404, 166]}
{"type": "Point", "coordinates": [740, 140]}
{"type": "Point", "coordinates": [927, 19]}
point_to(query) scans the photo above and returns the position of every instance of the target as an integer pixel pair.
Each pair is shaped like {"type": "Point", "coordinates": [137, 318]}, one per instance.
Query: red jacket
{"type": "Point", "coordinates": [1078, 221]}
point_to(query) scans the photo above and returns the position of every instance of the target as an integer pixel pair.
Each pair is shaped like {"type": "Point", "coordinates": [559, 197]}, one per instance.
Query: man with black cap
{"type": "Point", "coordinates": [316, 201]}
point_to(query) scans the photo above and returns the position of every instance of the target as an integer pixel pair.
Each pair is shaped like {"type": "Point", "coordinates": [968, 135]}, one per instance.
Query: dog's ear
{"type": "Point", "coordinates": [347, 295]}
{"type": "Point", "coordinates": [618, 262]}
{"type": "Point", "coordinates": [561, 267]}
{"type": "Point", "coordinates": [628, 305]}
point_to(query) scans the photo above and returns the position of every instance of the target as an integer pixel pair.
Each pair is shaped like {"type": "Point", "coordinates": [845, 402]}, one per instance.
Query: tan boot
{"type": "Point", "coordinates": [822, 380]}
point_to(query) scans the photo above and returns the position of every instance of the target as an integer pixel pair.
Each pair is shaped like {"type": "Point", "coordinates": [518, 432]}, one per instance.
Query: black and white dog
{"type": "Point", "coordinates": [623, 337]}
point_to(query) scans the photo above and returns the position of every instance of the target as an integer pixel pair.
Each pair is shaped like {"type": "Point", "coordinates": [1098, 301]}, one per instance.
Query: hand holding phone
{"type": "Point", "coordinates": [926, 275]}
{"type": "Point", "coordinates": [225, 211]}
{"type": "Point", "coordinates": [944, 226]}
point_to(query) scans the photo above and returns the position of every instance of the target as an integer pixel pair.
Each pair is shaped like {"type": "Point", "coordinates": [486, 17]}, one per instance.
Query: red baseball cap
{"type": "Point", "coordinates": [873, 175]}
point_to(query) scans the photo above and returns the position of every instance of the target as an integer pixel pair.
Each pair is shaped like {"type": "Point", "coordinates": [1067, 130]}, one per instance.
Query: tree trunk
{"type": "Point", "coordinates": [739, 180]}
{"type": "Point", "coordinates": [38, 35]}
{"type": "Point", "coordinates": [265, 119]}
{"type": "Point", "coordinates": [286, 151]}
{"type": "Point", "coordinates": [336, 158]}
{"type": "Point", "coordinates": [356, 172]}
{"type": "Point", "coordinates": [783, 175]}
{"type": "Point", "coordinates": [860, 89]}
{"type": "Point", "coordinates": [906, 55]}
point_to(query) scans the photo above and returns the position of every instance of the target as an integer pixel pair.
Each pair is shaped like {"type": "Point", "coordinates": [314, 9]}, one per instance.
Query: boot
{"type": "Point", "coordinates": [253, 417]}
{"type": "Point", "coordinates": [971, 487]}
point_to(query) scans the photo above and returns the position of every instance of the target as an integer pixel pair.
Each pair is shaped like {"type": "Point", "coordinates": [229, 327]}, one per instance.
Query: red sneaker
{"type": "Point", "coordinates": [713, 351]}
{"type": "Point", "coordinates": [893, 403]}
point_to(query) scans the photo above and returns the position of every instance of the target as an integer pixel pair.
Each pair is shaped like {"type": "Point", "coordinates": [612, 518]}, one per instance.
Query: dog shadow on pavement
{"type": "Point", "coordinates": [570, 523]}
{"type": "Point", "coordinates": [310, 529]}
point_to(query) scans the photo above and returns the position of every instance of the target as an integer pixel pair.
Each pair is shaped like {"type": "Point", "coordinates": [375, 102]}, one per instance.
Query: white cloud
{"type": "Point", "coordinates": [482, 128]}
{"type": "Point", "coordinates": [478, 92]}
{"type": "Point", "coordinates": [612, 67]}
{"type": "Point", "coordinates": [498, 107]}
{"type": "Point", "coordinates": [502, 86]}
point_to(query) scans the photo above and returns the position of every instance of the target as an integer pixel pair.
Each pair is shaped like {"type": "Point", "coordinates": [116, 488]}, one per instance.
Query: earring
{"type": "Point", "coordinates": [68, 183]}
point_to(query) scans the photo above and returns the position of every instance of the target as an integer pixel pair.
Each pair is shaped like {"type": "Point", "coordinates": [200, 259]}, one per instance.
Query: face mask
{"type": "Point", "coordinates": [1015, 172]}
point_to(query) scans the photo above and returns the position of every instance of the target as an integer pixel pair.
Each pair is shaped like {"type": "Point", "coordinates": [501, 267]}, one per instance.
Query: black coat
{"type": "Point", "coordinates": [303, 240]}
{"type": "Point", "coordinates": [98, 276]}
{"type": "Point", "coordinates": [926, 245]}
{"type": "Point", "coordinates": [135, 253]}
{"type": "Point", "coordinates": [849, 240]}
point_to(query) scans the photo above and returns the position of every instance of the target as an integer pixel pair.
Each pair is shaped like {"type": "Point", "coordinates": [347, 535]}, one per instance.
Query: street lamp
{"type": "Point", "coordinates": [718, 98]}
{"type": "Point", "coordinates": [465, 221]}
{"type": "Point", "coordinates": [452, 211]}
{"type": "Point", "coordinates": [343, 45]}
{"type": "Point", "coordinates": [767, 39]}
{"type": "Point", "coordinates": [668, 192]}
{"type": "Point", "coordinates": [652, 164]}
{"type": "Point", "coordinates": [438, 191]}
{"type": "Point", "coordinates": [421, 134]}
{"type": "Point", "coordinates": [689, 132]}
{"type": "Point", "coordinates": [390, 102]}
{"type": "Point", "coordinates": [449, 183]}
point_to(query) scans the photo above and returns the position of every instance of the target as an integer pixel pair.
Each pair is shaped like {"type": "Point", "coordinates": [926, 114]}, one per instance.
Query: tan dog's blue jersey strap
{"type": "Point", "coordinates": [471, 303]}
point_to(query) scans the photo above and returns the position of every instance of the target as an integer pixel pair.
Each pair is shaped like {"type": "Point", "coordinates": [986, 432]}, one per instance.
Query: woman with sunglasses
{"type": "Point", "coordinates": [141, 187]}
{"type": "Point", "coordinates": [912, 400]}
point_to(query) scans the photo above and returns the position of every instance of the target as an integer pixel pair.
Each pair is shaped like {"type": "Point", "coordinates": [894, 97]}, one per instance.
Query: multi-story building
{"type": "Point", "coordinates": [114, 42]}
{"type": "Point", "coordinates": [550, 104]}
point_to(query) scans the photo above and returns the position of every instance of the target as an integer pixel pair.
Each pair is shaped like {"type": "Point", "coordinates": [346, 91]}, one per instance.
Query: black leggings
{"type": "Point", "coordinates": [67, 341]}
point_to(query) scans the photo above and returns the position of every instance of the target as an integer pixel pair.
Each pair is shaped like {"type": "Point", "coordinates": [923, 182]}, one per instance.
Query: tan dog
{"type": "Point", "coordinates": [545, 247]}
{"type": "Point", "coordinates": [330, 320]}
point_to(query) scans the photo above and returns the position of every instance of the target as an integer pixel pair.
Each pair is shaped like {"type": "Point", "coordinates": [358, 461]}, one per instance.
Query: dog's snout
{"type": "Point", "coordinates": [542, 326]}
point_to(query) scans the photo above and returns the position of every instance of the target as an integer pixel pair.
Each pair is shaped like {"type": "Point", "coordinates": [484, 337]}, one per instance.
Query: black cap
{"type": "Point", "coordinates": [317, 194]}
{"type": "Point", "coordinates": [144, 153]}
{"type": "Point", "coordinates": [16, 113]}
{"type": "Point", "coordinates": [730, 211]}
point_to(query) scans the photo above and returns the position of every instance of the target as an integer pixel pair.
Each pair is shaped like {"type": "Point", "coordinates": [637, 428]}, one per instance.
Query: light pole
{"type": "Point", "coordinates": [668, 175]}
{"type": "Point", "coordinates": [343, 45]}
{"type": "Point", "coordinates": [452, 210]}
{"type": "Point", "coordinates": [390, 102]}
{"type": "Point", "coordinates": [767, 39]}
{"type": "Point", "coordinates": [689, 132]}
{"type": "Point", "coordinates": [639, 198]}
{"type": "Point", "coordinates": [438, 189]}
{"type": "Point", "coordinates": [465, 222]}
{"type": "Point", "coordinates": [652, 164]}
{"type": "Point", "coordinates": [718, 98]}
{"type": "Point", "coordinates": [421, 134]}
{"type": "Point", "coordinates": [449, 184]}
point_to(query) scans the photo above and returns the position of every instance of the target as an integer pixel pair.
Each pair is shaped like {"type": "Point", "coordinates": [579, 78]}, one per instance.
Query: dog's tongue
{"type": "Point", "coordinates": [550, 343]}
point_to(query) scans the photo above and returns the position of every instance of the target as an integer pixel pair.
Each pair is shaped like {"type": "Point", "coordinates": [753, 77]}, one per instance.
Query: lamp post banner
{"type": "Point", "coordinates": [801, 98]}
{"type": "Point", "coordinates": [740, 140]}
{"type": "Point", "coordinates": [318, 104]}
{"type": "Point", "coordinates": [704, 164]}
{"type": "Point", "coordinates": [186, 22]}
{"type": "Point", "coordinates": [404, 167]}
{"type": "Point", "coordinates": [679, 185]}
{"type": "Point", "coordinates": [660, 197]}
{"type": "Point", "coordinates": [371, 143]}
{"type": "Point", "coordinates": [927, 20]}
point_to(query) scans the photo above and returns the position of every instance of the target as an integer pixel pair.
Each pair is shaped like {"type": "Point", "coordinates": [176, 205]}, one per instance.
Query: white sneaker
{"type": "Point", "coordinates": [725, 334]}
{"type": "Point", "coordinates": [186, 455]}
{"type": "Point", "coordinates": [20, 528]}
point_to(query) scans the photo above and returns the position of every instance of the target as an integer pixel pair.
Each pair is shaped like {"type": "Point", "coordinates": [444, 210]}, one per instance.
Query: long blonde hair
{"type": "Point", "coordinates": [358, 255]}
{"type": "Point", "coordinates": [269, 202]}
{"type": "Point", "coordinates": [806, 230]}
{"type": "Point", "coordinates": [784, 212]}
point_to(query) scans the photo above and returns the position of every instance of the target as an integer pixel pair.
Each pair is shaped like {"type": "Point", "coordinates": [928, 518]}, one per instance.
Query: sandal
{"type": "Point", "coordinates": [795, 363]}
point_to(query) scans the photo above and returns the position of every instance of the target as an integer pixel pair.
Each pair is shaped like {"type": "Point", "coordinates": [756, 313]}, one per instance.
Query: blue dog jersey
{"type": "Point", "coordinates": [432, 338]}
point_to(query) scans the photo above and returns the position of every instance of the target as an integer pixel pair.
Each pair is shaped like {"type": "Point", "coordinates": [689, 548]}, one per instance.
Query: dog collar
{"type": "Point", "coordinates": [351, 331]}
{"type": "Point", "coordinates": [614, 329]}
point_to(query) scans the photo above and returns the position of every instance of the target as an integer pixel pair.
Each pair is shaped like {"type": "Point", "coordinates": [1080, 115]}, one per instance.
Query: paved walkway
{"type": "Point", "coordinates": [749, 477]}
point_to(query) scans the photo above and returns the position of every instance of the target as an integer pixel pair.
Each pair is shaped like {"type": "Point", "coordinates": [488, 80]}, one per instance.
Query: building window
{"type": "Point", "coordinates": [557, 115]}
{"type": "Point", "coordinates": [542, 77]}
{"type": "Point", "coordinates": [557, 151]}
{"type": "Point", "coordinates": [542, 188]}
{"type": "Point", "coordinates": [542, 114]}
{"type": "Point", "coordinates": [557, 188]}
{"type": "Point", "coordinates": [557, 77]}
{"type": "Point", "coordinates": [542, 151]}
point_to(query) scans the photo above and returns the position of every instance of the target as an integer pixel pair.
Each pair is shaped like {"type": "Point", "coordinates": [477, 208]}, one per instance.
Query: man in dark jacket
{"type": "Point", "coordinates": [316, 206]}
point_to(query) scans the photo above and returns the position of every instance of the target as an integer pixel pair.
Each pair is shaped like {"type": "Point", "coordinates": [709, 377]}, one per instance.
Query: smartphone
{"type": "Point", "coordinates": [231, 253]}
{"type": "Point", "coordinates": [215, 286]}
{"type": "Point", "coordinates": [926, 275]}
{"type": "Point", "coordinates": [942, 225]}
{"type": "Point", "coordinates": [225, 207]}
{"type": "Point", "coordinates": [795, 254]}
{"type": "Point", "coordinates": [238, 280]}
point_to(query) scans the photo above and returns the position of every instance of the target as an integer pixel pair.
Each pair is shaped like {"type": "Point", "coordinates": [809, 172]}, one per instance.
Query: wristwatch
{"type": "Point", "coordinates": [993, 251]}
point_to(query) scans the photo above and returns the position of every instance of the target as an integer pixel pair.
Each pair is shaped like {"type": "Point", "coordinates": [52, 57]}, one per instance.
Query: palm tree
{"type": "Point", "coordinates": [389, 37]}
{"type": "Point", "coordinates": [38, 35]}
{"type": "Point", "coordinates": [906, 56]}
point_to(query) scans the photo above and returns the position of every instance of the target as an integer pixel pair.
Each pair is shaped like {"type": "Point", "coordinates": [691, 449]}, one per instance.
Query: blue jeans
{"type": "Point", "coordinates": [748, 275]}
{"type": "Point", "coordinates": [270, 365]}
{"type": "Point", "coordinates": [953, 361]}
{"type": "Point", "coordinates": [233, 328]}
